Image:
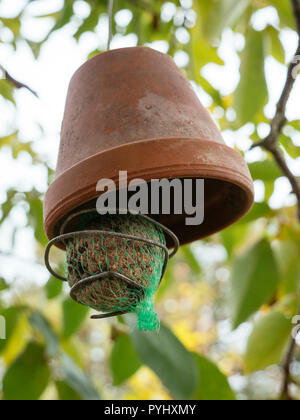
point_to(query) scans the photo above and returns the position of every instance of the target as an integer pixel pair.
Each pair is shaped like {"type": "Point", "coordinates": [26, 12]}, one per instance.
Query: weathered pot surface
{"type": "Point", "coordinates": [133, 110]}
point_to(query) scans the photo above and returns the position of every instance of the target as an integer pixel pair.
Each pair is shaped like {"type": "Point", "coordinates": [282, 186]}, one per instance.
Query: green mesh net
{"type": "Point", "coordinates": [92, 254]}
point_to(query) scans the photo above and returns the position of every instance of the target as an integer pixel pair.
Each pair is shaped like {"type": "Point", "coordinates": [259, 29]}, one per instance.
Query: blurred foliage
{"type": "Point", "coordinates": [53, 351]}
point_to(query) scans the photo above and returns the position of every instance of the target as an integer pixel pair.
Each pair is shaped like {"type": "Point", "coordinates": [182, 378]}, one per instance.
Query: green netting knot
{"type": "Point", "coordinates": [147, 317]}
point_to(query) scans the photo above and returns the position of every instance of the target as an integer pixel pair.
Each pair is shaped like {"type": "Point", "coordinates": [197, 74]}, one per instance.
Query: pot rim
{"type": "Point", "coordinates": [63, 195]}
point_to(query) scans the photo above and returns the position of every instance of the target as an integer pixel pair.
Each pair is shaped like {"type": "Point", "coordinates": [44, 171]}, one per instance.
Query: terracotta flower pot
{"type": "Point", "coordinates": [132, 109]}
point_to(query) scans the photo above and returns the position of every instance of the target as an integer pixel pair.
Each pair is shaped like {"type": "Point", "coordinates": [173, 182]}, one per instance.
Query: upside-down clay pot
{"type": "Point", "coordinates": [133, 110]}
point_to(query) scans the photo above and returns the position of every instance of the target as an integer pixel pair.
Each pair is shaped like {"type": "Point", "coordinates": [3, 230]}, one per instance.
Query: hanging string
{"type": "Point", "coordinates": [110, 17]}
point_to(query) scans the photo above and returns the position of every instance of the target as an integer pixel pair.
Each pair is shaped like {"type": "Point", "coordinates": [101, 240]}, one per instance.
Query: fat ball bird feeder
{"type": "Point", "coordinates": [133, 110]}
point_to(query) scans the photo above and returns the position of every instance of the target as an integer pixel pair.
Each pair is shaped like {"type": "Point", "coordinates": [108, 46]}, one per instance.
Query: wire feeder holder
{"type": "Point", "coordinates": [88, 280]}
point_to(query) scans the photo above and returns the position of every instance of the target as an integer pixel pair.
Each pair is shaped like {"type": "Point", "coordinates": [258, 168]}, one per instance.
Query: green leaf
{"type": "Point", "coordinates": [258, 210]}
{"type": "Point", "coordinates": [35, 48]}
{"type": "Point", "coordinates": [3, 285]}
{"type": "Point", "coordinates": [285, 12]}
{"type": "Point", "coordinates": [74, 314]}
{"type": "Point", "coordinates": [28, 377]}
{"type": "Point", "coordinates": [17, 146]}
{"type": "Point", "coordinates": [265, 170]}
{"type": "Point", "coordinates": [295, 124]}
{"type": "Point", "coordinates": [11, 316]}
{"type": "Point", "coordinates": [94, 53]}
{"type": "Point", "coordinates": [14, 24]}
{"type": "Point", "coordinates": [65, 15]}
{"type": "Point", "coordinates": [292, 149]}
{"type": "Point", "coordinates": [254, 280]}
{"type": "Point", "coordinates": [78, 381]}
{"type": "Point", "coordinates": [251, 94]}
{"type": "Point", "coordinates": [66, 393]}
{"type": "Point", "coordinates": [289, 263]}
{"type": "Point", "coordinates": [221, 14]}
{"type": "Point", "coordinates": [36, 220]}
{"type": "Point", "coordinates": [7, 90]}
{"type": "Point", "coordinates": [123, 350]}
{"type": "Point", "coordinates": [88, 24]}
{"type": "Point", "coordinates": [53, 288]}
{"type": "Point", "coordinates": [202, 52]}
{"type": "Point", "coordinates": [233, 236]}
{"type": "Point", "coordinates": [268, 341]}
{"type": "Point", "coordinates": [195, 74]}
{"type": "Point", "coordinates": [191, 259]}
{"type": "Point", "coordinates": [269, 189]}
{"type": "Point", "coordinates": [169, 359]}
{"type": "Point", "coordinates": [212, 383]}
{"type": "Point", "coordinates": [7, 206]}
{"type": "Point", "coordinates": [42, 325]}
{"type": "Point", "coordinates": [275, 47]}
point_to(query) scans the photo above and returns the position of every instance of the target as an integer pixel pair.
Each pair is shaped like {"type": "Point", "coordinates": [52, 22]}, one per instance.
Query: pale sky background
{"type": "Point", "coordinates": [50, 75]}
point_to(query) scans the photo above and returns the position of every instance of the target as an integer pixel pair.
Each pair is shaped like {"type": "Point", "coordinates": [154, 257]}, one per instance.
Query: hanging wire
{"type": "Point", "coordinates": [110, 17]}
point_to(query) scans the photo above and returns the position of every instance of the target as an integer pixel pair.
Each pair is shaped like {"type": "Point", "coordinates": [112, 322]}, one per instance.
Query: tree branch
{"type": "Point", "coordinates": [279, 120]}
{"type": "Point", "coordinates": [16, 83]}
{"type": "Point", "coordinates": [285, 392]}
{"type": "Point", "coordinates": [270, 143]}
{"type": "Point", "coordinates": [296, 10]}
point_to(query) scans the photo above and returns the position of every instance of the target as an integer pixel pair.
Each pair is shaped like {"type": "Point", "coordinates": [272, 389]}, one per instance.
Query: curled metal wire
{"type": "Point", "coordinates": [88, 280]}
